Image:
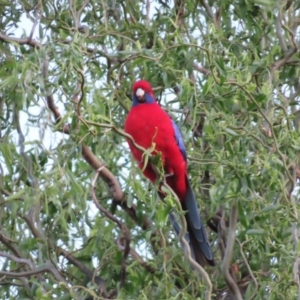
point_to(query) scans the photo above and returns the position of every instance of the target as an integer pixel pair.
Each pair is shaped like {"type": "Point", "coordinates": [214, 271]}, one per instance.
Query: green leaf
{"type": "Point", "coordinates": [16, 195]}
{"type": "Point", "coordinates": [255, 232]}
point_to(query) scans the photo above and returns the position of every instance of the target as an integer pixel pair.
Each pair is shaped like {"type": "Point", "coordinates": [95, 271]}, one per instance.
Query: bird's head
{"type": "Point", "coordinates": [142, 93]}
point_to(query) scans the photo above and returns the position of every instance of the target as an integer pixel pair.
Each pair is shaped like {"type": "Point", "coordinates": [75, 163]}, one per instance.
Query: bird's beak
{"type": "Point", "coordinates": [140, 93]}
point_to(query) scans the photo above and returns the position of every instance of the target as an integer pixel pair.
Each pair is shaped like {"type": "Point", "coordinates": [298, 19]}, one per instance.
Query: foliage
{"type": "Point", "coordinates": [228, 72]}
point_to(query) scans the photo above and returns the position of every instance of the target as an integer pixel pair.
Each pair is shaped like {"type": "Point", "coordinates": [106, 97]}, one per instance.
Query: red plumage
{"type": "Point", "coordinates": [150, 125]}
{"type": "Point", "coordinates": [154, 126]}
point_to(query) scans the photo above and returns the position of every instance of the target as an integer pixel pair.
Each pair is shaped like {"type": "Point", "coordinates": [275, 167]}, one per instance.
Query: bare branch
{"type": "Point", "coordinates": [45, 269]}
{"type": "Point", "coordinates": [209, 12]}
{"type": "Point", "coordinates": [228, 254]}
{"type": "Point", "coordinates": [221, 233]}
{"type": "Point", "coordinates": [279, 32]}
{"type": "Point", "coordinates": [106, 175]}
{"type": "Point", "coordinates": [80, 10]}
{"type": "Point", "coordinates": [148, 12]}
{"type": "Point", "coordinates": [281, 62]}
{"type": "Point", "coordinates": [200, 69]}
{"type": "Point", "coordinates": [73, 13]}
{"type": "Point", "coordinates": [18, 259]}
{"type": "Point", "coordinates": [37, 18]}
{"type": "Point", "coordinates": [23, 41]}
{"type": "Point", "coordinates": [8, 243]}
{"type": "Point", "coordinates": [81, 85]}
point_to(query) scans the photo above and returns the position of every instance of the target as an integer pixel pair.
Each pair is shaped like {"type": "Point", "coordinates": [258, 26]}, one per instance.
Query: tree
{"type": "Point", "coordinates": [78, 221]}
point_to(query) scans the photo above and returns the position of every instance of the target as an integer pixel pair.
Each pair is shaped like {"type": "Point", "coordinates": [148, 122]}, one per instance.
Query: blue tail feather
{"type": "Point", "coordinates": [197, 233]}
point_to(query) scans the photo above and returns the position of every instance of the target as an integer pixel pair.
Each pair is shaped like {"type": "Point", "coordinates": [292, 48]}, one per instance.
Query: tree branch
{"type": "Point", "coordinates": [279, 32]}
{"type": "Point", "coordinates": [23, 41]}
{"type": "Point", "coordinates": [45, 269]}
{"type": "Point", "coordinates": [209, 12]}
{"type": "Point", "coordinates": [89, 273]}
{"type": "Point", "coordinates": [200, 69]}
{"type": "Point", "coordinates": [18, 259]}
{"type": "Point", "coordinates": [281, 62]}
{"type": "Point", "coordinates": [249, 270]}
{"type": "Point", "coordinates": [228, 254]}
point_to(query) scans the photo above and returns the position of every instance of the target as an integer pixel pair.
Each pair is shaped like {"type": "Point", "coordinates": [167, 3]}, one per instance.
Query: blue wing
{"type": "Point", "coordinates": [179, 139]}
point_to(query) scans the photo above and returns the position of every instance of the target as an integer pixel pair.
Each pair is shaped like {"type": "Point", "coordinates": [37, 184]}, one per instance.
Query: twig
{"type": "Point", "coordinates": [18, 259]}
{"type": "Point", "coordinates": [148, 13]}
{"type": "Point", "coordinates": [89, 273]}
{"type": "Point", "coordinates": [209, 12]}
{"type": "Point", "coordinates": [82, 92]}
{"type": "Point", "coordinates": [8, 243]}
{"type": "Point", "coordinates": [249, 270]}
{"type": "Point", "coordinates": [228, 254]}
{"type": "Point", "coordinates": [73, 13]}
{"type": "Point", "coordinates": [137, 257]}
{"type": "Point", "coordinates": [281, 62]}
{"type": "Point", "coordinates": [45, 269]}
{"type": "Point", "coordinates": [123, 228]}
{"type": "Point", "coordinates": [36, 20]}
{"type": "Point", "coordinates": [80, 10]}
{"type": "Point", "coordinates": [221, 233]}
{"type": "Point", "coordinates": [279, 32]}
{"type": "Point", "coordinates": [296, 271]}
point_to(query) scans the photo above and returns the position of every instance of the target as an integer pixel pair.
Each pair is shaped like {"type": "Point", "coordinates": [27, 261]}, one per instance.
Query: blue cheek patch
{"type": "Point", "coordinates": [148, 99]}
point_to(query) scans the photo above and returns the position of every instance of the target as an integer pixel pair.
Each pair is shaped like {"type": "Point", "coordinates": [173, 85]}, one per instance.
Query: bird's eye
{"type": "Point", "coordinates": [140, 92]}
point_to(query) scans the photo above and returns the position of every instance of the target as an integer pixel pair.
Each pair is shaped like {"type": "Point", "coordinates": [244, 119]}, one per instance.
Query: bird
{"type": "Point", "coordinates": [151, 127]}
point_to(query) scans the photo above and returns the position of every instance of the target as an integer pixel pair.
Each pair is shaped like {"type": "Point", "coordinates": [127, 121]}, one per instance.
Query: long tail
{"type": "Point", "coordinates": [197, 234]}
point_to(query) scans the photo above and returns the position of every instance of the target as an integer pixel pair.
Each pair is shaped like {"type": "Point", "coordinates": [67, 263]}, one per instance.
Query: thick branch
{"type": "Point", "coordinates": [23, 41]}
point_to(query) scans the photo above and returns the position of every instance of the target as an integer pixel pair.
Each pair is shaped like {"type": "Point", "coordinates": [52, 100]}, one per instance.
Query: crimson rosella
{"type": "Point", "coordinates": [150, 126]}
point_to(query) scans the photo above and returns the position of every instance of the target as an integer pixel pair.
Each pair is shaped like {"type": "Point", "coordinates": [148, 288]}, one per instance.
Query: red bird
{"type": "Point", "coordinates": [150, 125]}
